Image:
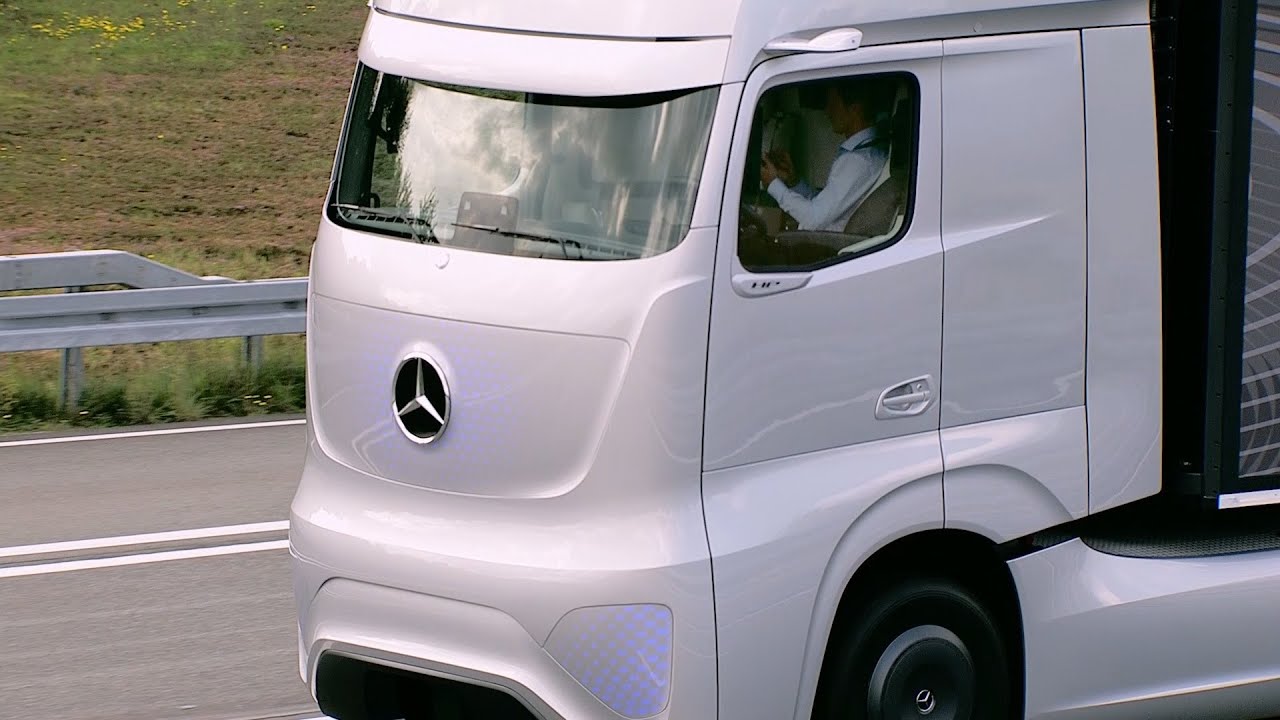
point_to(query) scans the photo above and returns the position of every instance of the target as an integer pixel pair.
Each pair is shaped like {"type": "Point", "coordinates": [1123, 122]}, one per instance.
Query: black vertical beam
{"type": "Point", "coordinates": [1230, 214]}
{"type": "Point", "coordinates": [1187, 50]}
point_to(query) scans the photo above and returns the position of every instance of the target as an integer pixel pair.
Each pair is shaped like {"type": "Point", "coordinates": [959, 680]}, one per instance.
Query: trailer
{"type": "Point", "coordinates": [784, 360]}
{"type": "Point", "coordinates": [1219, 214]}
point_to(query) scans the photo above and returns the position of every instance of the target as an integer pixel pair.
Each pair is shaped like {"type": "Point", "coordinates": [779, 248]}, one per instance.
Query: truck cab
{"type": "Point", "coordinates": [751, 359]}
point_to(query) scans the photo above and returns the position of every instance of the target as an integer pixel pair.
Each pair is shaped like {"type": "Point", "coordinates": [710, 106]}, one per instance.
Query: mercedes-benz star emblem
{"type": "Point", "coordinates": [421, 401]}
{"type": "Point", "coordinates": [925, 703]}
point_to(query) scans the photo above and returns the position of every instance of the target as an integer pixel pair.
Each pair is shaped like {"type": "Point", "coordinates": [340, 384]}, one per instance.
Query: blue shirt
{"type": "Point", "coordinates": [856, 171]}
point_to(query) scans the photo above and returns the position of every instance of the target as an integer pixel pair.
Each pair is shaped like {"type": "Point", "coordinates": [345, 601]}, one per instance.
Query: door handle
{"type": "Point", "coordinates": [901, 402]}
{"type": "Point", "coordinates": [907, 399]}
{"type": "Point", "coordinates": [751, 285]}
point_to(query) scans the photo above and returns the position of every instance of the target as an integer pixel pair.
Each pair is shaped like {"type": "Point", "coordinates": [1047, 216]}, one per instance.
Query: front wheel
{"type": "Point", "coordinates": [924, 648]}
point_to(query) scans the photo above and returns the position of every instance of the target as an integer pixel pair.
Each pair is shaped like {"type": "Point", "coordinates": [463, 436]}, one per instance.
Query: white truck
{"type": "Point", "coordinates": [788, 359]}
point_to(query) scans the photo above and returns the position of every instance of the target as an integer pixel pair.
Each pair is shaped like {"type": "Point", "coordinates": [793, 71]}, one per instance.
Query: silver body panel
{"type": "Point", "coordinates": [1013, 224]}
{"type": "Point", "coordinates": [438, 636]}
{"type": "Point", "coordinates": [1123, 377]}
{"type": "Point", "coordinates": [478, 585]}
{"type": "Point", "coordinates": [742, 19]}
{"type": "Point", "coordinates": [429, 51]}
{"type": "Point", "coordinates": [1009, 478]}
{"type": "Point", "coordinates": [1115, 638]}
{"type": "Point", "coordinates": [747, 25]}
{"type": "Point", "coordinates": [490, 370]}
{"type": "Point", "coordinates": [640, 432]}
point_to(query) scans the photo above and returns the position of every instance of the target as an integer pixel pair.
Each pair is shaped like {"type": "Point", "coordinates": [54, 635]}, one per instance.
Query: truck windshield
{"type": "Point", "coordinates": [521, 173]}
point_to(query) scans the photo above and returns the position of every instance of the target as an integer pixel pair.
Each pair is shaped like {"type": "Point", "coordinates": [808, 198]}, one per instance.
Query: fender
{"type": "Point", "coordinates": [904, 511]}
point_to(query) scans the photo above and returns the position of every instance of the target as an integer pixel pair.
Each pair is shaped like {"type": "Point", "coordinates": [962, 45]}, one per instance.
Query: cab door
{"type": "Point", "coordinates": [824, 358]}
{"type": "Point", "coordinates": [822, 340]}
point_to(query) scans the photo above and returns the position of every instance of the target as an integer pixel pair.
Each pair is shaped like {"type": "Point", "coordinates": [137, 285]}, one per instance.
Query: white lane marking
{"type": "Point", "coordinates": [144, 539]}
{"type": "Point", "coordinates": [151, 433]}
{"type": "Point", "coordinates": [141, 559]}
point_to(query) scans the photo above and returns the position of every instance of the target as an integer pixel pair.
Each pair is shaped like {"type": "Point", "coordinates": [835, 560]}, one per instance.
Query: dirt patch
{"type": "Point", "coordinates": [209, 149]}
{"type": "Point", "coordinates": [11, 236]}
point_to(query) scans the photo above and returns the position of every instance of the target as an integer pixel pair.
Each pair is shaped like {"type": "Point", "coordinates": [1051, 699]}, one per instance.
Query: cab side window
{"type": "Point", "coordinates": [829, 173]}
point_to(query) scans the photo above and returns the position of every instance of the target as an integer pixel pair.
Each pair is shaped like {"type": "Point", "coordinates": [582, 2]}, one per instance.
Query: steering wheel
{"type": "Point", "coordinates": [750, 223]}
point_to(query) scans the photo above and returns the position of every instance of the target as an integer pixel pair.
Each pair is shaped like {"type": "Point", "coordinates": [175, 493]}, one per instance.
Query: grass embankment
{"type": "Point", "coordinates": [199, 133]}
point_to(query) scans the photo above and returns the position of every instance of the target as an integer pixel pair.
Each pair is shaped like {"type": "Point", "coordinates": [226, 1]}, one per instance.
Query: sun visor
{"type": "Point", "coordinates": [623, 18]}
{"type": "Point", "coordinates": [587, 67]}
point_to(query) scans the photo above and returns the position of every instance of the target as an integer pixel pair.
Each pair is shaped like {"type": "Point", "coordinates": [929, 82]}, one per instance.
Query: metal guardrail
{"type": "Point", "coordinates": [123, 317]}
{"type": "Point", "coordinates": [42, 271]}
{"type": "Point", "coordinates": [162, 304]}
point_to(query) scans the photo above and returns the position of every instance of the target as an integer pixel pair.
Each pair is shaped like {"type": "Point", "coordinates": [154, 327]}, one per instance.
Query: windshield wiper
{"type": "Point", "coordinates": [415, 223]}
{"type": "Point", "coordinates": [564, 243]}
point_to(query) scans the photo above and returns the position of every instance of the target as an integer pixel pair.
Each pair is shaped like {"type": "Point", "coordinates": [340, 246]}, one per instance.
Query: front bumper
{"type": "Point", "coordinates": [578, 614]}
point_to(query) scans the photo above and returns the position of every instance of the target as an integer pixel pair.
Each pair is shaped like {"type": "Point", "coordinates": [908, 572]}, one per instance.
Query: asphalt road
{"type": "Point", "coordinates": [187, 638]}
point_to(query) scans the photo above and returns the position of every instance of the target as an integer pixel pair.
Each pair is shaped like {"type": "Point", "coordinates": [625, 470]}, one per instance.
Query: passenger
{"type": "Point", "coordinates": [853, 108]}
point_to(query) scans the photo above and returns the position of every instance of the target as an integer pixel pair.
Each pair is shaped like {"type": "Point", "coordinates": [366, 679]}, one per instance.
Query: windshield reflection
{"type": "Point", "coordinates": [519, 173]}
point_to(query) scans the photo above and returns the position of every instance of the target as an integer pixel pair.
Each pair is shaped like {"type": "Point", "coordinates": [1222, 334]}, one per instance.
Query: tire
{"type": "Point", "coordinates": [924, 648]}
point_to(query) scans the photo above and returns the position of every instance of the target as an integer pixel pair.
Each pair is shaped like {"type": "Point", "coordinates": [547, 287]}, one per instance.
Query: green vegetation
{"type": "Point", "coordinates": [196, 132]}
{"type": "Point", "coordinates": [129, 387]}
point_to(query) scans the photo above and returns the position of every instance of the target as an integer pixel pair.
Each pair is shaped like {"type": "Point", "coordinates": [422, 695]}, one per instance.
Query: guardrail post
{"type": "Point", "coordinates": [253, 352]}
{"type": "Point", "coordinates": [72, 376]}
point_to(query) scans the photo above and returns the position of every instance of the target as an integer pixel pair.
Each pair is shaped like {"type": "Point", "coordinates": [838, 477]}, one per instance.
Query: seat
{"type": "Point", "coordinates": [877, 213]}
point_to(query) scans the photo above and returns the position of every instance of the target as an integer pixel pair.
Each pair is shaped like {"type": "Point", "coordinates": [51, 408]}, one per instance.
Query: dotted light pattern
{"type": "Point", "coordinates": [621, 653]}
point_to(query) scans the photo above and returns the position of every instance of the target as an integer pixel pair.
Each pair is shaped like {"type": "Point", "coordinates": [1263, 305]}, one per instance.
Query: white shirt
{"type": "Point", "coordinates": [854, 174]}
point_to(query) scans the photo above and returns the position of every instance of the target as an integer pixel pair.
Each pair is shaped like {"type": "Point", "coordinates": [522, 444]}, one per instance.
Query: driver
{"type": "Point", "coordinates": [853, 106]}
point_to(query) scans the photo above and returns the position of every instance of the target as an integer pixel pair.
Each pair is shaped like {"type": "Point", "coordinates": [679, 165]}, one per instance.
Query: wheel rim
{"type": "Point", "coordinates": [926, 672]}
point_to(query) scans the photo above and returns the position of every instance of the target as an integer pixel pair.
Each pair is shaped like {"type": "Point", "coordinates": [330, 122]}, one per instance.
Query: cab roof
{"type": "Point", "coordinates": [745, 19]}
{"type": "Point", "coordinates": [727, 38]}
